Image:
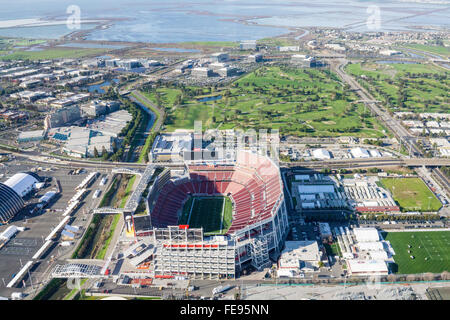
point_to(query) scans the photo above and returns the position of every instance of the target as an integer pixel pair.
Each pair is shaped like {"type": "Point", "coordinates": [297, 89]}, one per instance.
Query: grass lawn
{"type": "Point", "coordinates": [439, 50]}
{"type": "Point", "coordinates": [432, 245]}
{"type": "Point", "coordinates": [128, 191]}
{"type": "Point", "coordinates": [405, 87]}
{"type": "Point", "coordinates": [101, 254]}
{"type": "Point", "coordinates": [333, 249]}
{"type": "Point", "coordinates": [214, 214]}
{"type": "Point", "coordinates": [412, 194]}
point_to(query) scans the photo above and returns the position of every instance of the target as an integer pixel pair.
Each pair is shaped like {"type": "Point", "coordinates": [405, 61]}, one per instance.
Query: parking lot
{"type": "Point", "coordinates": [25, 244]}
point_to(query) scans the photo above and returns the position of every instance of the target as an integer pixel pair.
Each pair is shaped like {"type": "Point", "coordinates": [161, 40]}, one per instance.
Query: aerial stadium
{"type": "Point", "coordinates": [212, 221]}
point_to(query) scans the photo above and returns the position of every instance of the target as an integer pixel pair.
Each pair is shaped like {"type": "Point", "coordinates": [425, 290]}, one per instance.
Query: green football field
{"type": "Point", "coordinates": [412, 194]}
{"type": "Point", "coordinates": [214, 214]}
{"type": "Point", "coordinates": [430, 250]}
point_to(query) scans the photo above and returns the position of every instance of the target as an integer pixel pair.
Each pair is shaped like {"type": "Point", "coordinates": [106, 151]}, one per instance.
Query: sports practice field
{"type": "Point", "coordinates": [429, 249]}
{"type": "Point", "coordinates": [412, 194]}
{"type": "Point", "coordinates": [214, 214]}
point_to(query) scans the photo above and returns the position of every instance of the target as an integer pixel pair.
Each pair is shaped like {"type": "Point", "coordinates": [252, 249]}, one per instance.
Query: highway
{"type": "Point", "coordinates": [333, 163]}
{"type": "Point", "coordinates": [392, 124]}
{"type": "Point", "coordinates": [442, 179]}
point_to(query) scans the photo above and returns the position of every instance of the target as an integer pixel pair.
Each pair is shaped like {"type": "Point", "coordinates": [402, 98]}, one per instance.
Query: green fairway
{"type": "Point", "coordinates": [412, 194]}
{"type": "Point", "coordinates": [429, 249]}
{"type": "Point", "coordinates": [301, 102]}
{"type": "Point", "coordinates": [213, 214]}
{"type": "Point", "coordinates": [409, 87]}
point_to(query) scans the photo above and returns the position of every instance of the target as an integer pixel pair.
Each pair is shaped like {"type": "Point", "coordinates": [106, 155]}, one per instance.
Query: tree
{"type": "Point", "coordinates": [445, 275]}
{"type": "Point", "coordinates": [95, 152]}
{"type": "Point", "coordinates": [104, 153]}
{"type": "Point", "coordinates": [114, 145]}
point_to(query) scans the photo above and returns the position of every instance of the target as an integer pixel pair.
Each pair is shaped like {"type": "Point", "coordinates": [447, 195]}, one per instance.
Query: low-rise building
{"type": "Point", "coordinates": [62, 117]}
{"type": "Point", "coordinates": [300, 256]}
{"type": "Point", "coordinates": [219, 57]}
{"type": "Point", "coordinates": [367, 267]}
{"type": "Point", "coordinates": [201, 72]}
{"type": "Point", "coordinates": [98, 107]}
{"type": "Point", "coordinates": [28, 136]}
{"type": "Point", "coordinates": [248, 45]}
{"type": "Point", "coordinates": [172, 146]}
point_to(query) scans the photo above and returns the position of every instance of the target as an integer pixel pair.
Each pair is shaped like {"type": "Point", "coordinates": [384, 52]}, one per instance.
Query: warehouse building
{"type": "Point", "coordinates": [219, 57]}
{"type": "Point", "coordinates": [112, 124]}
{"type": "Point", "coordinates": [28, 136]}
{"type": "Point", "coordinates": [202, 72]}
{"type": "Point", "coordinates": [248, 45]}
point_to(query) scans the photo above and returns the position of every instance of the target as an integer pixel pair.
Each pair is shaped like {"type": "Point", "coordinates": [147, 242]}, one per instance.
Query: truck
{"type": "Point", "coordinates": [103, 181]}
{"type": "Point", "coordinates": [17, 296]}
{"type": "Point", "coordinates": [96, 194]}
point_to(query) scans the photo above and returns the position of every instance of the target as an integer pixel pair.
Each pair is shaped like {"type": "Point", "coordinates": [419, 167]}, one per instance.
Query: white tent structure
{"type": "Point", "coordinates": [366, 234]}
{"type": "Point", "coordinates": [359, 153]}
{"type": "Point", "coordinates": [371, 246]}
{"type": "Point", "coordinates": [321, 154]}
{"type": "Point", "coordinates": [22, 183]}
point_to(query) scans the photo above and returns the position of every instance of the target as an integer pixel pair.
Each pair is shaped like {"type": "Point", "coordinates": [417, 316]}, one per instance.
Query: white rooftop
{"type": "Point", "coordinates": [366, 234]}
{"type": "Point", "coordinates": [366, 267]}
